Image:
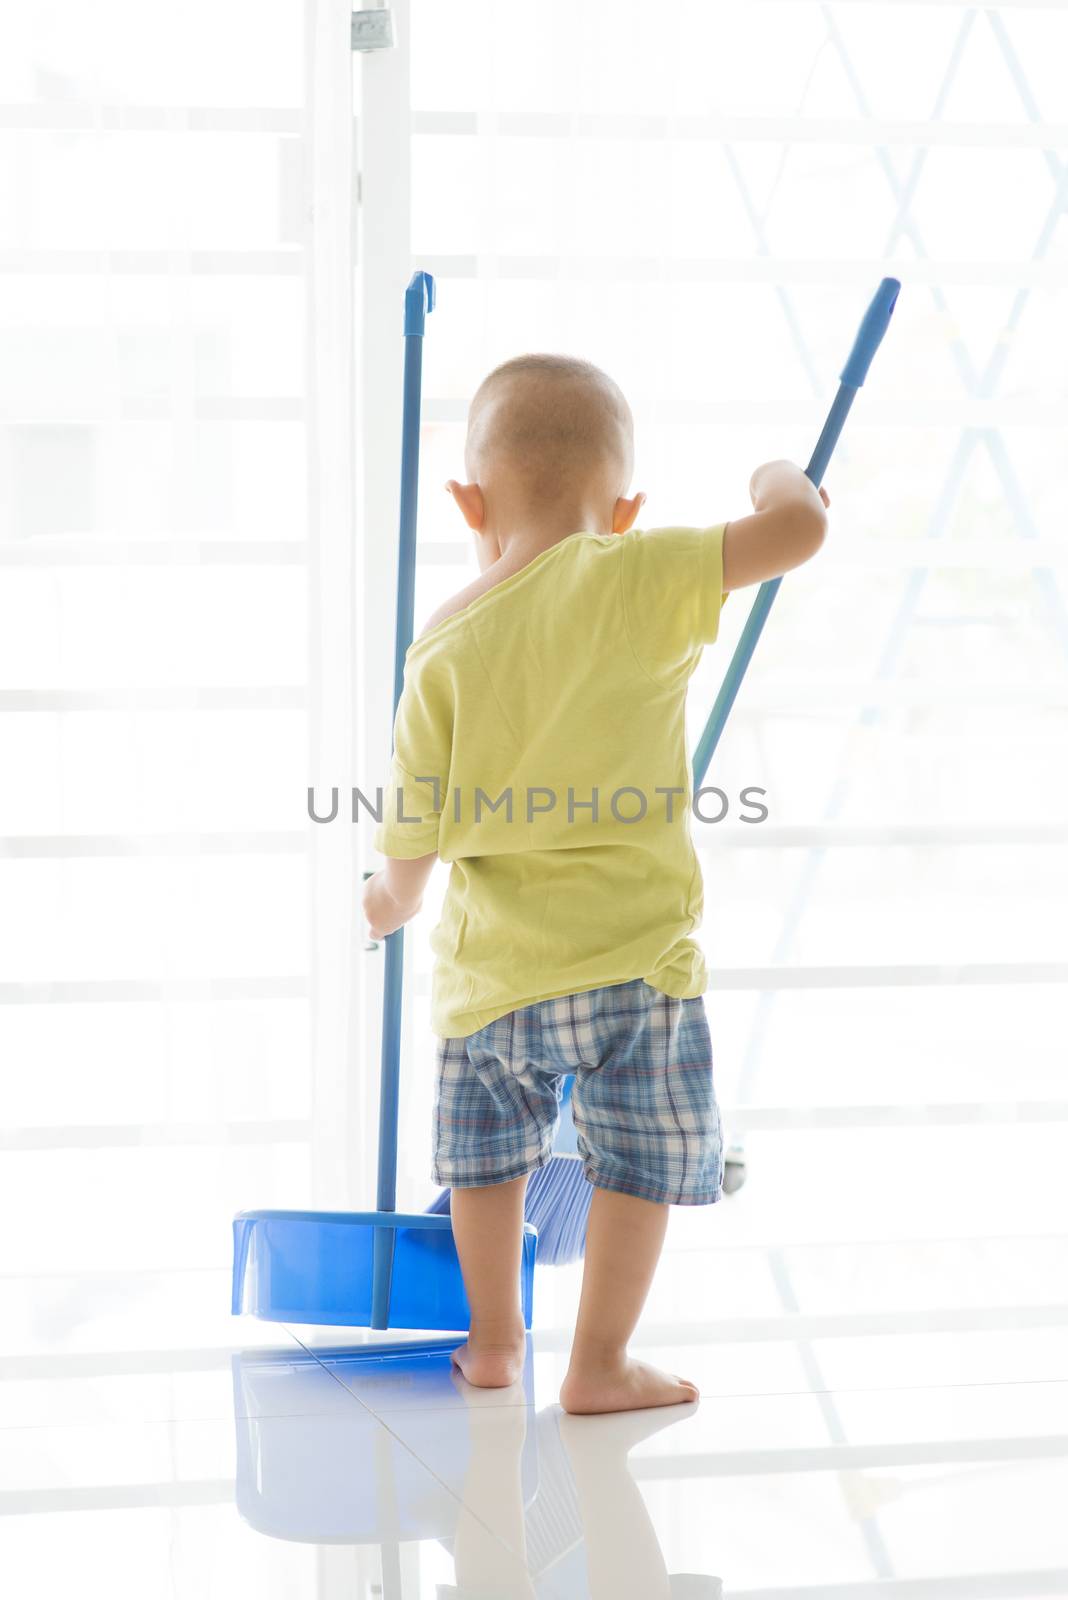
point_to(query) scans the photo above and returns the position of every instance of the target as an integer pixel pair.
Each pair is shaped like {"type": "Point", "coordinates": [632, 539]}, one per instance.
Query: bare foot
{"type": "Point", "coordinates": [491, 1363]}
{"type": "Point", "coordinates": [628, 1386]}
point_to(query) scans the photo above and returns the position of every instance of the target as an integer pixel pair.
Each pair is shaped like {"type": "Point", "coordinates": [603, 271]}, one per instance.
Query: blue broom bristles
{"type": "Point", "coordinates": [558, 1194]}
{"type": "Point", "coordinates": [558, 1205]}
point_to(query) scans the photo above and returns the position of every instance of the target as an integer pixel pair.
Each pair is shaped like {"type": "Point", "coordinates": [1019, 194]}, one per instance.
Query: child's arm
{"type": "Point", "coordinates": [787, 527]}
{"type": "Point", "coordinates": [393, 896]}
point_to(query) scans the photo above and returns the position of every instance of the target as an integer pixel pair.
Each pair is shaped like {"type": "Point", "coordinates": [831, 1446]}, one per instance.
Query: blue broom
{"type": "Point", "coordinates": [559, 1194]}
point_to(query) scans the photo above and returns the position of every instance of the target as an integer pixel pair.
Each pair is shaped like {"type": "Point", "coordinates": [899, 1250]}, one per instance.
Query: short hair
{"type": "Point", "coordinates": [552, 421]}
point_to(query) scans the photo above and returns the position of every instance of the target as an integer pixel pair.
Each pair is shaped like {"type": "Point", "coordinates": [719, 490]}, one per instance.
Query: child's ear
{"type": "Point", "coordinates": [468, 497]}
{"type": "Point", "coordinates": [624, 512]}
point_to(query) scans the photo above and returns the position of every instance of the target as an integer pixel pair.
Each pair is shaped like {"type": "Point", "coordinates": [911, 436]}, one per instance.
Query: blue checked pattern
{"type": "Point", "coordinates": [644, 1103]}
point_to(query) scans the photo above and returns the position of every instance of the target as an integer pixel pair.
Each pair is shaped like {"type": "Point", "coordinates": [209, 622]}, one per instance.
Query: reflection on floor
{"type": "Point", "coordinates": [879, 1418]}
{"type": "Point", "coordinates": [526, 1502]}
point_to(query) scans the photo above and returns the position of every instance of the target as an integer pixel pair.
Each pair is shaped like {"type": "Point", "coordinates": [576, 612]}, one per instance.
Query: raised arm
{"type": "Point", "coordinates": [787, 527]}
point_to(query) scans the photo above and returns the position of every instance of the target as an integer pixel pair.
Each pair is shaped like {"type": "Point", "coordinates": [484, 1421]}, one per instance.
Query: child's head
{"type": "Point", "coordinates": [556, 427]}
{"type": "Point", "coordinates": [547, 436]}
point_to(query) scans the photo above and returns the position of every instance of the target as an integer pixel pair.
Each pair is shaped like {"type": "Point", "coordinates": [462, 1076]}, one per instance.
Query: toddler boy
{"type": "Point", "coordinates": [540, 748]}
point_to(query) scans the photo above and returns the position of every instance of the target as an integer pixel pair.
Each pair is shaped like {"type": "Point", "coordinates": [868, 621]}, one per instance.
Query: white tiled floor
{"type": "Point", "coordinates": [877, 1419]}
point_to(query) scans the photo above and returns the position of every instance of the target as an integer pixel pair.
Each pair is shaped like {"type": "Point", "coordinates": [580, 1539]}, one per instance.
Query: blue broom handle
{"type": "Point", "coordinates": [875, 322]}
{"type": "Point", "coordinates": [418, 302]}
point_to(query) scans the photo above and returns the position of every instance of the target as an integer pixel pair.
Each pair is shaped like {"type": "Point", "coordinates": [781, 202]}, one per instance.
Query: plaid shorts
{"type": "Point", "coordinates": [645, 1110]}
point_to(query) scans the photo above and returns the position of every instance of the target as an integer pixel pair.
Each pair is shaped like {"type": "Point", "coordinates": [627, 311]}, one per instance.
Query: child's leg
{"type": "Point", "coordinates": [623, 1243]}
{"type": "Point", "coordinates": [647, 1124]}
{"type": "Point", "coordinates": [487, 1223]}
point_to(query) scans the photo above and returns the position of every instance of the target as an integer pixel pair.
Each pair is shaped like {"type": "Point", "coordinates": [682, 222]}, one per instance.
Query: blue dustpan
{"type": "Point", "coordinates": [382, 1268]}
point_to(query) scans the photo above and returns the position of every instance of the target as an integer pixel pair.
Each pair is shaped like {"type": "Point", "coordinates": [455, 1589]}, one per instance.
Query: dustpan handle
{"type": "Point", "coordinates": [418, 301]}
{"type": "Point", "coordinates": [875, 322]}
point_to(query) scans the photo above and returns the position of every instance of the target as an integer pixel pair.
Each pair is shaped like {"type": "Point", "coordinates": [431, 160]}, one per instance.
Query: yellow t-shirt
{"type": "Point", "coordinates": [540, 747]}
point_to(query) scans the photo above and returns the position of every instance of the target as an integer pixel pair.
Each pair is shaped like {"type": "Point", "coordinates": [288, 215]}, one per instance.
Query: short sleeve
{"type": "Point", "coordinates": [418, 779]}
{"type": "Point", "coordinates": [672, 594]}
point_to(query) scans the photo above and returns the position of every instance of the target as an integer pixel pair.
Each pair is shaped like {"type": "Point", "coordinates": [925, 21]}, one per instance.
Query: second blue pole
{"type": "Point", "coordinates": [418, 301]}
